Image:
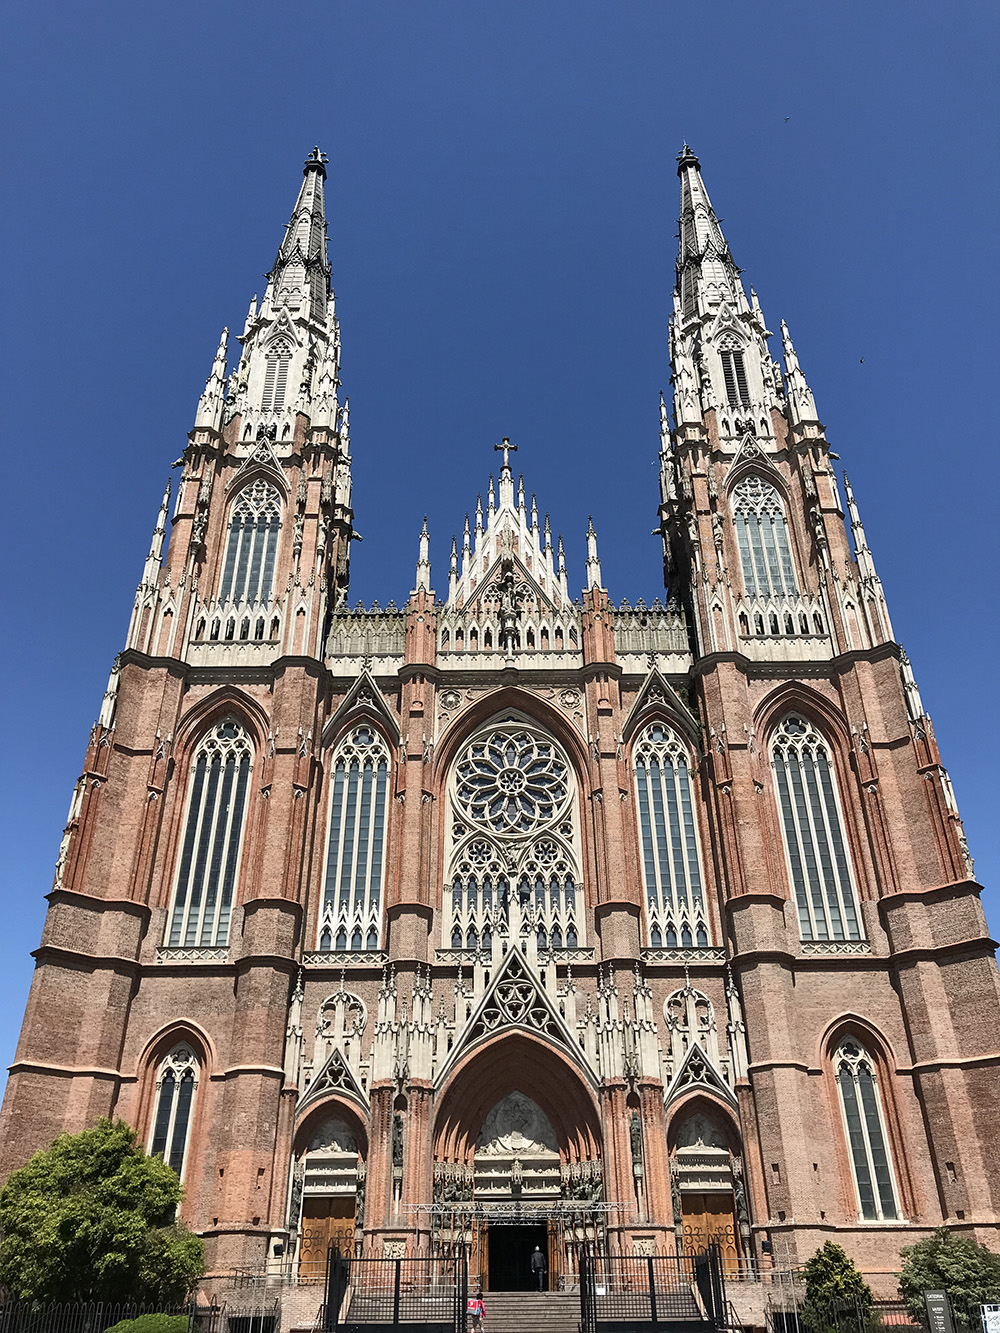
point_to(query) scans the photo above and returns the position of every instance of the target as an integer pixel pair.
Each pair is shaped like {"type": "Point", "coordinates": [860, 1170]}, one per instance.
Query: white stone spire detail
{"type": "Point", "coordinates": [300, 276]}
{"type": "Point", "coordinates": [423, 561]}
{"type": "Point", "coordinates": [209, 412]}
{"type": "Point", "coordinates": [868, 578]}
{"type": "Point", "coordinates": [801, 404]}
{"type": "Point", "coordinates": [593, 563]}
{"type": "Point", "coordinates": [453, 568]}
{"type": "Point", "coordinates": [154, 560]}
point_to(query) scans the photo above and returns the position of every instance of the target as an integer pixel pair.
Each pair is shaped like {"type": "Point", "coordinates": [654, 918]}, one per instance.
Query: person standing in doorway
{"type": "Point", "coordinates": [538, 1266]}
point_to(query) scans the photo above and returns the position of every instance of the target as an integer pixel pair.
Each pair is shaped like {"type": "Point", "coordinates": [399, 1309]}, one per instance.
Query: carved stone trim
{"type": "Point", "coordinates": [836, 946]}
{"type": "Point", "coordinates": [693, 955]}
{"type": "Point", "coordinates": [562, 956]}
{"type": "Point", "coordinates": [182, 955]}
{"type": "Point", "coordinates": [336, 959]}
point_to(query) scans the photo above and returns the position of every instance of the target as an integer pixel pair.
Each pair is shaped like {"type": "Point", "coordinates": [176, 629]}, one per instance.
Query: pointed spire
{"type": "Point", "coordinates": [863, 557]}
{"type": "Point", "coordinates": [423, 560]}
{"type": "Point", "coordinates": [801, 404]}
{"type": "Point", "coordinates": [154, 560]}
{"type": "Point", "coordinates": [706, 272]}
{"type": "Point", "coordinates": [300, 278]}
{"type": "Point", "coordinates": [466, 542]}
{"type": "Point", "coordinates": [534, 515]}
{"type": "Point", "coordinates": [593, 564]}
{"type": "Point", "coordinates": [210, 404]}
{"type": "Point", "coordinates": [453, 569]}
{"type": "Point", "coordinates": [251, 316]}
{"type": "Point", "coordinates": [664, 424]}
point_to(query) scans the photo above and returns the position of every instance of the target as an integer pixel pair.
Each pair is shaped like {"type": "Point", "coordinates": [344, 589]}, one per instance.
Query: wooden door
{"type": "Point", "coordinates": [708, 1219]}
{"type": "Point", "coordinates": [555, 1253]}
{"type": "Point", "coordinates": [327, 1219]}
{"type": "Point", "coordinates": [479, 1258]}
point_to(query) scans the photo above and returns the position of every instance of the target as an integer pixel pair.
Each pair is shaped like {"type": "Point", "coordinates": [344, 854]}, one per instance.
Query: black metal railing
{"type": "Point", "coordinates": [652, 1289]}
{"type": "Point", "coordinates": [99, 1316]}
{"type": "Point", "coordinates": [423, 1289]}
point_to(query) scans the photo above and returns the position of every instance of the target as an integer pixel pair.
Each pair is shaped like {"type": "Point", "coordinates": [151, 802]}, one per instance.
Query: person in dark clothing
{"type": "Point", "coordinates": [538, 1267]}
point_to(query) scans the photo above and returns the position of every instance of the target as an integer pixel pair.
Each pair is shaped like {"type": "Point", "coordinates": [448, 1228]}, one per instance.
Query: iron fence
{"type": "Point", "coordinates": [841, 1317]}
{"type": "Point", "coordinates": [418, 1290]}
{"type": "Point", "coordinates": [99, 1316]}
{"type": "Point", "coordinates": [652, 1289]}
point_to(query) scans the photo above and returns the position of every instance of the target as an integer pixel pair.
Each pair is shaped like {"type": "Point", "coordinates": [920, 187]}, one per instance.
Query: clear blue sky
{"type": "Point", "coordinates": [503, 205]}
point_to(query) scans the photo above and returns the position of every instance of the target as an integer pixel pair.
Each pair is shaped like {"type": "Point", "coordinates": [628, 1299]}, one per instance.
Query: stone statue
{"type": "Point", "coordinates": [635, 1138]}
{"type": "Point", "coordinates": [397, 1139]}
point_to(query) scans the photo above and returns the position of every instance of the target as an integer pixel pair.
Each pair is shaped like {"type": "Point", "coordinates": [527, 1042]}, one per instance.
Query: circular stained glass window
{"type": "Point", "coordinates": [511, 781]}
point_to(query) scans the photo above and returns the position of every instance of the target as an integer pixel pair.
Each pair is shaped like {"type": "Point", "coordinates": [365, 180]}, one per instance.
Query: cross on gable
{"type": "Point", "coordinates": [506, 448]}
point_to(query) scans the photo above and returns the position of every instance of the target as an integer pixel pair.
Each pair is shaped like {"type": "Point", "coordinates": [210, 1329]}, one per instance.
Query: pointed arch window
{"type": "Point", "coordinates": [351, 916]}
{"type": "Point", "coordinates": [176, 1085]}
{"type": "Point", "coordinates": [864, 1128]}
{"type": "Point", "coordinates": [671, 870]}
{"type": "Point", "coordinates": [213, 838]}
{"type": "Point", "coordinates": [735, 375]}
{"type": "Point", "coordinates": [813, 833]}
{"type": "Point", "coordinates": [513, 840]}
{"type": "Point", "coordinates": [248, 569]}
{"type": "Point", "coordinates": [762, 537]}
{"type": "Point", "coordinates": [276, 363]}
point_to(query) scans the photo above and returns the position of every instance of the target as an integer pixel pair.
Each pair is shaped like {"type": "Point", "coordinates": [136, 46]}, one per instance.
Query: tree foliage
{"type": "Point", "coordinates": [151, 1323]}
{"type": "Point", "coordinates": [837, 1296]}
{"type": "Point", "coordinates": [91, 1218]}
{"type": "Point", "coordinates": [966, 1270]}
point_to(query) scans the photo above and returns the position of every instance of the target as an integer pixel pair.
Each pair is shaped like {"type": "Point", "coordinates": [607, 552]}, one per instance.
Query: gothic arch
{"type": "Point", "coordinates": [745, 464]}
{"type": "Point", "coordinates": [702, 1102]}
{"type": "Point", "coordinates": [493, 705]}
{"type": "Point", "coordinates": [178, 1030]}
{"type": "Point", "coordinates": [877, 1046]}
{"type": "Point", "coordinates": [797, 697]}
{"type": "Point", "coordinates": [182, 1033]}
{"type": "Point", "coordinates": [316, 1112]}
{"type": "Point", "coordinates": [487, 1075]}
{"type": "Point", "coordinates": [203, 715]}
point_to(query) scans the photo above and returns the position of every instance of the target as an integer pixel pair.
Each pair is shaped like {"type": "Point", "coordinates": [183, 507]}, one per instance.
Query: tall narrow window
{"type": "Point", "coordinates": [735, 375]}
{"type": "Point", "coordinates": [248, 570]}
{"type": "Point", "coordinates": [277, 361]}
{"type": "Point", "coordinates": [762, 537]}
{"type": "Point", "coordinates": [864, 1126]}
{"type": "Point", "coordinates": [813, 833]}
{"type": "Point", "coordinates": [213, 837]}
{"type": "Point", "coordinates": [351, 917]}
{"type": "Point", "coordinates": [675, 907]}
{"type": "Point", "coordinates": [175, 1090]}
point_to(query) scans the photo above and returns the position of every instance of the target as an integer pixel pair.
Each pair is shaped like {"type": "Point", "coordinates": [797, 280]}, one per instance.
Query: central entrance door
{"type": "Point", "coordinates": [510, 1251]}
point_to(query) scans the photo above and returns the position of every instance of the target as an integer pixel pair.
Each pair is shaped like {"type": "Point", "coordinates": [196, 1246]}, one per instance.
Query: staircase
{"type": "Point", "coordinates": [532, 1311]}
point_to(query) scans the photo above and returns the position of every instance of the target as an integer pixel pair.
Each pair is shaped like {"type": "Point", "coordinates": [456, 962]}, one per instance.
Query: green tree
{"type": "Point", "coordinates": [837, 1296]}
{"type": "Point", "coordinates": [91, 1218]}
{"type": "Point", "coordinates": [966, 1270]}
{"type": "Point", "coordinates": [151, 1323]}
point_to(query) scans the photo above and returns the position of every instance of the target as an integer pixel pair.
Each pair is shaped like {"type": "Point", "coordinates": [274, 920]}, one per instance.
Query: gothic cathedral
{"type": "Point", "coordinates": [513, 914]}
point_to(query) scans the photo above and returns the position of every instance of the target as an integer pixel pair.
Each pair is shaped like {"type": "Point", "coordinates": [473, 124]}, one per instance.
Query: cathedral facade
{"type": "Point", "coordinates": [510, 913]}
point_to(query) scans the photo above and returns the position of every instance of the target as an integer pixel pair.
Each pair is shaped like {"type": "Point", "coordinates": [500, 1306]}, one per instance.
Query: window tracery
{"type": "Point", "coordinates": [351, 914]}
{"type": "Point", "coordinates": [813, 833]}
{"type": "Point", "coordinates": [176, 1085]}
{"type": "Point", "coordinates": [276, 363]}
{"type": "Point", "coordinates": [254, 523]}
{"type": "Point", "coordinates": [762, 538]}
{"type": "Point", "coordinates": [213, 838]}
{"type": "Point", "coordinates": [864, 1127]}
{"type": "Point", "coordinates": [690, 1021]}
{"type": "Point", "coordinates": [513, 839]}
{"type": "Point", "coordinates": [675, 907]}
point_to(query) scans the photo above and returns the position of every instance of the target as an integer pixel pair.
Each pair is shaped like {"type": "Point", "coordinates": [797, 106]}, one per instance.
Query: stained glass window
{"type": "Point", "coordinates": [864, 1126]}
{"type": "Point", "coordinates": [175, 1091]}
{"type": "Point", "coordinates": [762, 538]}
{"type": "Point", "coordinates": [352, 898]}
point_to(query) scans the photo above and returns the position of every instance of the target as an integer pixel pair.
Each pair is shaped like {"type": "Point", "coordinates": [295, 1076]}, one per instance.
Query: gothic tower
{"type": "Point", "coordinates": [647, 925]}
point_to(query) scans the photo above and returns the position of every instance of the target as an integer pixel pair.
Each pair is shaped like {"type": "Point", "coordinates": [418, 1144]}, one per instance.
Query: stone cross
{"type": "Point", "coordinates": [506, 449]}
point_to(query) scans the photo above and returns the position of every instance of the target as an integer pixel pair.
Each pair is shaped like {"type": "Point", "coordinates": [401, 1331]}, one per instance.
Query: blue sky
{"type": "Point", "coordinates": [503, 203]}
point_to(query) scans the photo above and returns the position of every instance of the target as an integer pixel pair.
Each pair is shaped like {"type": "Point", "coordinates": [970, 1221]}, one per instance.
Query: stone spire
{"type": "Point", "coordinates": [706, 271]}
{"type": "Point", "coordinates": [211, 402]}
{"type": "Point", "coordinates": [801, 403]}
{"type": "Point", "coordinates": [155, 558]}
{"type": "Point", "coordinates": [593, 563]}
{"type": "Point", "coordinates": [423, 561]}
{"type": "Point", "coordinates": [868, 578]}
{"type": "Point", "coordinates": [300, 277]}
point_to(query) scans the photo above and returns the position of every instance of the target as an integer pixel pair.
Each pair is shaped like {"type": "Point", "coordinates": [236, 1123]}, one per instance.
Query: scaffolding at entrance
{"type": "Point", "coordinates": [572, 1226]}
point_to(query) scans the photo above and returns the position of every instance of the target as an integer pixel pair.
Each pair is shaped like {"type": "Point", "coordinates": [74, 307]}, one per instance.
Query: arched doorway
{"type": "Point", "coordinates": [706, 1176]}
{"type": "Point", "coordinates": [328, 1184]}
{"type": "Point", "coordinates": [517, 1164]}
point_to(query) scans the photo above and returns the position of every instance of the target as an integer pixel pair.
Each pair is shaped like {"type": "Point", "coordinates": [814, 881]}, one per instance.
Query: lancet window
{"type": "Point", "coordinates": [213, 837]}
{"type": "Point", "coordinates": [248, 570]}
{"type": "Point", "coordinates": [352, 898]}
{"type": "Point", "coordinates": [675, 904]}
{"type": "Point", "coordinates": [813, 833]}
{"type": "Point", "coordinates": [735, 375]}
{"type": "Point", "coordinates": [276, 363]}
{"type": "Point", "coordinates": [864, 1127]}
{"type": "Point", "coordinates": [176, 1085]}
{"type": "Point", "coordinates": [513, 839]}
{"type": "Point", "coordinates": [762, 537]}
{"type": "Point", "coordinates": [690, 1020]}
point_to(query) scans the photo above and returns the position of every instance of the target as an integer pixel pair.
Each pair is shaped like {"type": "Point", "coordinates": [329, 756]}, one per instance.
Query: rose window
{"type": "Point", "coordinates": [513, 840]}
{"type": "Point", "coordinates": [511, 782]}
